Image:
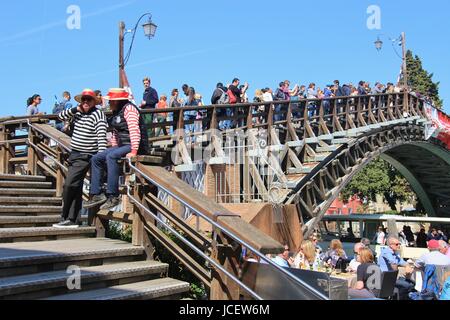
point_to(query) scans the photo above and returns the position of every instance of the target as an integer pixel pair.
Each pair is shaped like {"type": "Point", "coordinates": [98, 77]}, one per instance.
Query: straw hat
{"type": "Point", "coordinates": [88, 93]}
{"type": "Point", "coordinates": [116, 94]}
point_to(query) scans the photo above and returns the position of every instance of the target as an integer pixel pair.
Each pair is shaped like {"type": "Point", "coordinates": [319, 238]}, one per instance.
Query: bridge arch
{"type": "Point", "coordinates": [425, 165]}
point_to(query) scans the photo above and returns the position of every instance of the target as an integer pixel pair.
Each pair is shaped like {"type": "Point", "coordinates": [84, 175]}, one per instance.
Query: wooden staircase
{"type": "Point", "coordinates": [38, 261]}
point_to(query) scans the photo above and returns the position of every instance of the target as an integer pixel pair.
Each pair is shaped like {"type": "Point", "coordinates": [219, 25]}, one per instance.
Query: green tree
{"type": "Point", "coordinates": [379, 177]}
{"type": "Point", "coordinates": [421, 80]}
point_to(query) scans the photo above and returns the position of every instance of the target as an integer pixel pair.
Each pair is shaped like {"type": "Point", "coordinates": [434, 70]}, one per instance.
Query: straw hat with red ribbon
{"type": "Point", "coordinates": [88, 93]}
{"type": "Point", "coordinates": [117, 94]}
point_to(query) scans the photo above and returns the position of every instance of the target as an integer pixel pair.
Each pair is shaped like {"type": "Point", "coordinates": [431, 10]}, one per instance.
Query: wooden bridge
{"type": "Point", "coordinates": [263, 183]}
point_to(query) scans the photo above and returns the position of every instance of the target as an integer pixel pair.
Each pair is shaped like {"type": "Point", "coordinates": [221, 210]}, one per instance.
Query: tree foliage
{"type": "Point", "coordinates": [421, 80]}
{"type": "Point", "coordinates": [379, 177]}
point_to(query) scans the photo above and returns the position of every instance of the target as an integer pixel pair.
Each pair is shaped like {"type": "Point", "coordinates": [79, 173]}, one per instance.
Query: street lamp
{"type": "Point", "coordinates": [149, 31]}
{"type": "Point", "coordinates": [400, 41]}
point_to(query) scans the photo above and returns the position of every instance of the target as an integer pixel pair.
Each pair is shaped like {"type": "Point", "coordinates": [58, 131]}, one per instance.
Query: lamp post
{"type": "Point", "coordinates": [401, 41]}
{"type": "Point", "coordinates": [149, 31]}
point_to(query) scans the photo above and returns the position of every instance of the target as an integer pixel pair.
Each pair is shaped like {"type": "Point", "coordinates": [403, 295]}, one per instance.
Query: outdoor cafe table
{"type": "Point", "coordinates": [350, 277]}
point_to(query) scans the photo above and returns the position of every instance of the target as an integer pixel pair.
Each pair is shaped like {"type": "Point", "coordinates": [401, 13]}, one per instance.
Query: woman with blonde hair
{"type": "Point", "coordinates": [307, 256]}
{"type": "Point", "coordinates": [335, 253]}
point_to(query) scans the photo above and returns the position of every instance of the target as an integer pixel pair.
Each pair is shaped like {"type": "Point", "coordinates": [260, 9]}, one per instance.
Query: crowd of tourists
{"type": "Point", "coordinates": [232, 93]}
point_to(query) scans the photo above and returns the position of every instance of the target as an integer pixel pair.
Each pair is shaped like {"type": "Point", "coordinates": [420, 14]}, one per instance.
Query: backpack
{"type": "Point", "coordinates": [232, 97]}
{"type": "Point", "coordinates": [59, 107]}
{"type": "Point", "coordinates": [279, 95]}
{"type": "Point", "coordinates": [224, 98]}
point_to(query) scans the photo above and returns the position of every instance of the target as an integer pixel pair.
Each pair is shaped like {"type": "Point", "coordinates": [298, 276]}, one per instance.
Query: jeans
{"type": "Point", "coordinates": [278, 116]}
{"type": "Point", "coordinates": [404, 286]}
{"type": "Point", "coordinates": [79, 164]}
{"type": "Point", "coordinates": [226, 124]}
{"type": "Point", "coordinates": [107, 160]}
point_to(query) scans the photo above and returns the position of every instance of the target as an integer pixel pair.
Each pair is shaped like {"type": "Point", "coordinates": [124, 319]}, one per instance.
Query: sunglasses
{"type": "Point", "coordinates": [86, 100]}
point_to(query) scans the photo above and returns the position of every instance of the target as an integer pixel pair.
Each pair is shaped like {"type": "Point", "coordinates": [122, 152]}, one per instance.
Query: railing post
{"type": "Point", "coordinates": [32, 156]}
{"type": "Point", "coordinates": [3, 150]}
{"type": "Point", "coordinates": [59, 173]}
{"type": "Point", "coordinates": [227, 255]}
{"type": "Point", "coordinates": [140, 236]}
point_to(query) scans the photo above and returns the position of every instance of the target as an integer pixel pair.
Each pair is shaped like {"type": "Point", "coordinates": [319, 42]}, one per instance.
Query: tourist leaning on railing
{"type": "Point", "coordinates": [89, 137]}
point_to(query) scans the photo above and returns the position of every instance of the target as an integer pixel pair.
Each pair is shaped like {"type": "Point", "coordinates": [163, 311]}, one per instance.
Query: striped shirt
{"type": "Point", "coordinates": [131, 115]}
{"type": "Point", "coordinates": [89, 133]}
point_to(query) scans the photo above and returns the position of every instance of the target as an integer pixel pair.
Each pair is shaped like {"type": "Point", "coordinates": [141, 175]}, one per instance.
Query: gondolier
{"type": "Point", "coordinates": [89, 138]}
{"type": "Point", "coordinates": [129, 139]}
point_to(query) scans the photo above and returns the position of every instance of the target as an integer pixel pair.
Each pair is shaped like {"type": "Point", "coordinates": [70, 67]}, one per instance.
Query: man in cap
{"type": "Point", "coordinates": [129, 138]}
{"type": "Point", "coordinates": [88, 138]}
{"type": "Point", "coordinates": [434, 257]}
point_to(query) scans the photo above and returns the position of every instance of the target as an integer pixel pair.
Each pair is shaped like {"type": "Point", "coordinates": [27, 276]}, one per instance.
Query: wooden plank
{"type": "Point", "coordinates": [116, 216]}
{"type": "Point", "coordinates": [184, 192]}
{"type": "Point", "coordinates": [211, 209]}
{"type": "Point", "coordinates": [250, 234]}
{"type": "Point", "coordinates": [54, 134]}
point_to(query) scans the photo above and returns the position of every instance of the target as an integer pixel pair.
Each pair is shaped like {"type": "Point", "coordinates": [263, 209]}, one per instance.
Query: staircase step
{"type": "Point", "coordinates": [43, 285]}
{"type": "Point", "coordinates": [25, 184]}
{"type": "Point", "coordinates": [10, 210]}
{"type": "Point", "coordinates": [27, 192]}
{"type": "Point", "coordinates": [37, 257]}
{"type": "Point", "coordinates": [20, 234]}
{"type": "Point", "coordinates": [29, 200]}
{"type": "Point", "coordinates": [145, 290]}
{"type": "Point", "coordinates": [15, 177]}
{"type": "Point", "coordinates": [28, 221]}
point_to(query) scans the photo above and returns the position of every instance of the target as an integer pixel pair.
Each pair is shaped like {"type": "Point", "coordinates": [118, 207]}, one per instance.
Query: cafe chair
{"type": "Point", "coordinates": [388, 279]}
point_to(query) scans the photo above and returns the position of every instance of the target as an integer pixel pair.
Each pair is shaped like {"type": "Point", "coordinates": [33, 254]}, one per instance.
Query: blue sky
{"type": "Point", "coordinates": [201, 42]}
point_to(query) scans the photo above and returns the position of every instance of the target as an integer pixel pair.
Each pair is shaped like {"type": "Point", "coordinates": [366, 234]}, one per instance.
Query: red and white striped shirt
{"type": "Point", "coordinates": [131, 115]}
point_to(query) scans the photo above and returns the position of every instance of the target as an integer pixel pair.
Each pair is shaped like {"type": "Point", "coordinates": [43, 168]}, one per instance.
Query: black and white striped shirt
{"type": "Point", "coordinates": [89, 131]}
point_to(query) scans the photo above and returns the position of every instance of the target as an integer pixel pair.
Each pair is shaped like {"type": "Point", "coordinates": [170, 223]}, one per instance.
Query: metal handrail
{"type": "Point", "coordinates": [49, 136]}
{"type": "Point", "coordinates": [193, 247]}
{"type": "Point", "coordinates": [48, 155]}
{"type": "Point", "coordinates": [234, 237]}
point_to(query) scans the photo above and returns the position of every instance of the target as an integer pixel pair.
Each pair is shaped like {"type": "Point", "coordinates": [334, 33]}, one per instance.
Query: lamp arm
{"type": "Point", "coordinates": [127, 57]}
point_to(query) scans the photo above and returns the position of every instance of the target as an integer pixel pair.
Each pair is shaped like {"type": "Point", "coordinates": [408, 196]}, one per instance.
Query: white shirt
{"type": "Point", "coordinates": [353, 265]}
{"type": "Point", "coordinates": [267, 97]}
{"type": "Point", "coordinates": [433, 257]}
{"type": "Point", "coordinates": [380, 237]}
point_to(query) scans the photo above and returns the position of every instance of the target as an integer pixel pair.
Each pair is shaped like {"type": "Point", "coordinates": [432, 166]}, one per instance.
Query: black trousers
{"type": "Point", "coordinates": [79, 165]}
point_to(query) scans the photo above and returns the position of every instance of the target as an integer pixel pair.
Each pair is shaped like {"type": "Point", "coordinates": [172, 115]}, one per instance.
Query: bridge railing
{"type": "Point", "coordinates": [331, 114]}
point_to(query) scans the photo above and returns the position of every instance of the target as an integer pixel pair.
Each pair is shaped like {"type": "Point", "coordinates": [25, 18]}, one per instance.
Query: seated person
{"type": "Point", "coordinates": [444, 248]}
{"type": "Point", "coordinates": [434, 257]}
{"type": "Point", "coordinates": [366, 243]}
{"type": "Point", "coordinates": [365, 284]}
{"type": "Point", "coordinates": [354, 263]}
{"type": "Point", "coordinates": [315, 240]}
{"type": "Point", "coordinates": [129, 139]}
{"type": "Point", "coordinates": [390, 260]}
{"type": "Point", "coordinates": [335, 253]}
{"type": "Point", "coordinates": [307, 257]}
{"type": "Point", "coordinates": [283, 259]}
